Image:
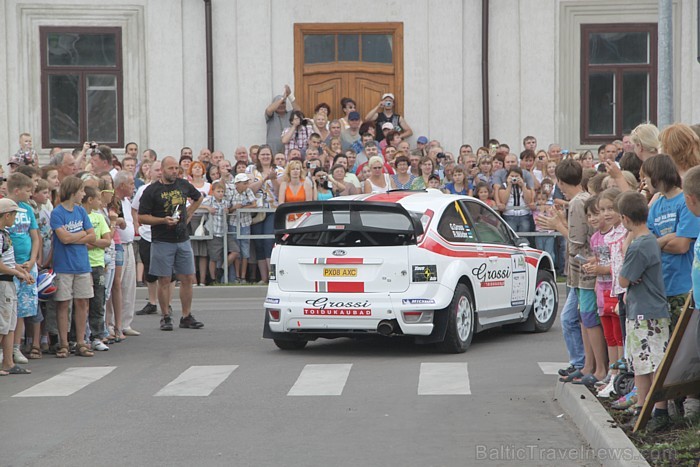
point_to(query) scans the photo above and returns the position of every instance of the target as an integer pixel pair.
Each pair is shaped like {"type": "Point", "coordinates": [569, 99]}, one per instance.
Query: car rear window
{"type": "Point", "coordinates": [345, 226]}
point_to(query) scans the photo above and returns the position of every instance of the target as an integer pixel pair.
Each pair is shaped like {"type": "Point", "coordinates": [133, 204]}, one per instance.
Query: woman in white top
{"type": "Point", "coordinates": [378, 181]}
{"type": "Point", "coordinates": [348, 105]}
{"type": "Point", "coordinates": [518, 199]}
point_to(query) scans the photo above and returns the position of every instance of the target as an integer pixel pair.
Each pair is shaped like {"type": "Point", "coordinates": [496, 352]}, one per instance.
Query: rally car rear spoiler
{"type": "Point", "coordinates": [354, 207]}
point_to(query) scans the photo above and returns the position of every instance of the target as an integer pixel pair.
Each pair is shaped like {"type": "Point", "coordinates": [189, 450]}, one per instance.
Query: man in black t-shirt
{"type": "Point", "coordinates": [164, 207]}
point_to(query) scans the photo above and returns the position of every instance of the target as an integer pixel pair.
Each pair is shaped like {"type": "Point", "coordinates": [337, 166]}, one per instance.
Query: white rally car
{"type": "Point", "coordinates": [425, 264]}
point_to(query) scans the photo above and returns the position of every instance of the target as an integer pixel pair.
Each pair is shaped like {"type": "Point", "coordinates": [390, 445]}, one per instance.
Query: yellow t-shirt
{"type": "Point", "coordinates": [99, 223]}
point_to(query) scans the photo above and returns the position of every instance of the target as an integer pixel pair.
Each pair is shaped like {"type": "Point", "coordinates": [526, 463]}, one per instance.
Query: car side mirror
{"type": "Point", "coordinates": [521, 242]}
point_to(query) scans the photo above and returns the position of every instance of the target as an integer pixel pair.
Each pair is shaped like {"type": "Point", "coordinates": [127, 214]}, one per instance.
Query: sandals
{"type": "Point", "coordinates": [82, 350]}
{"type": "Point", "coordinates": [571, 376]}
{"type": "Point", "coordinates": [62, 351]}
{"type": "Point", "coordinates": [15, 370]}
{"type": "Point", "coordinates": [35, 353]}
{"type": "Point", "coordinates": [586, 380]}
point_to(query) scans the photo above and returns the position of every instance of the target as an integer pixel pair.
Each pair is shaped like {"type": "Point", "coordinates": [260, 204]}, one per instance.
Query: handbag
{"type": "Point", "coordinates": [200, 231]}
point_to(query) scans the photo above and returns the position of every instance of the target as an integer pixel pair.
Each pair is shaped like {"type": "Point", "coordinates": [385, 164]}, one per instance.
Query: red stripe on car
{"type": "Point", "coordinates": [345, 286]}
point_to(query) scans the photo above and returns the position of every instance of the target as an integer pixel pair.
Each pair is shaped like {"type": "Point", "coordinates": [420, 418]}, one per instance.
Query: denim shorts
{"type": "Point", "coordinates": [119, 258]}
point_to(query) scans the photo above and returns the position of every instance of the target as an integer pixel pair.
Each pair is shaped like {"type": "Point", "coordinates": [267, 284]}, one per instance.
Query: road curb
{"type": "Point", "coordinates": [592, 421]}
{"type": "Point", "coordinates": [218, 292]}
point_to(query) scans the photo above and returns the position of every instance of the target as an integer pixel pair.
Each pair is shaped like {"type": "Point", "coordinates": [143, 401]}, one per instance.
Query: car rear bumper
{"type": "Point", "coordinates": [352, 314]}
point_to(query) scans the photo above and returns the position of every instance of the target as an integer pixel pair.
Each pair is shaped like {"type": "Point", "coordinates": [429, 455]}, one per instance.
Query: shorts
{"type": "Point", "coordinates": [8, 307]}
{"type": "Point", "coordinates": [171, 258]}
{"type": "Point", "coordinates": [27, 296]}
{"type": "Point", "coordinates": [215, 248]}
{"type": "Point", "coordinates": [71, 286]}
{"type": "Point", "coordinates": [119, 258]}
{"type": "Point", "coordinates": [676, 304]}
{"type": "Point", "coordinates": [646, 343]}
{"type": "Point", "coordinates": [588, 308]}
{"type": "Point", "coordinates": [243, 243]}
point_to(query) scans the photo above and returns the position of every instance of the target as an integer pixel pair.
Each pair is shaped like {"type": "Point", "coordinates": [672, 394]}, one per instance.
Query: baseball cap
{"type": "Point", "coordinates": [241, 178]}
{"type": "Point", "coordinates": [422, 140]}
{"type": "Point", "coordinates": [7, 205]}
{"type": "Point", "coordinates": [15, 160]}
{"type": "Point", "coordinates": [388, 126]}
{"type": "Point", "coordinates": [354, 115]}
{"type": "Point", "coordinates": [387, 94]}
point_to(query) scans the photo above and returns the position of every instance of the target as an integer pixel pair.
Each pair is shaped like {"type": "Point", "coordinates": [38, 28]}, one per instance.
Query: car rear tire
{"type": "Point", "coordinates": [544, 308]}
{"type": "Point", "coordinates": [285, 344]}
{"type": "Point", "coordinates": [460, 321]}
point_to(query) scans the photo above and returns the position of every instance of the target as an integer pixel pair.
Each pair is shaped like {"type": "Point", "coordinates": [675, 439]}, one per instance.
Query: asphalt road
{"type": "Point", "coordinates": [341, 402]}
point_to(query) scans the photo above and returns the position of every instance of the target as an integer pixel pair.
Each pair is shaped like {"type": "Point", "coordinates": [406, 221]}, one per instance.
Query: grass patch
{"type": "Point", "coordinates": [676, 445]}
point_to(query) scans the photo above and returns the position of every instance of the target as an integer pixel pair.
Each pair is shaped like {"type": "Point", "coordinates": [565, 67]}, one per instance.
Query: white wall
{"type": "Point", "coordinates": [533, 67]}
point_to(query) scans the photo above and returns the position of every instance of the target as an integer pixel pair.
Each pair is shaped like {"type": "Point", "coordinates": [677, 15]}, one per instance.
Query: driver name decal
{"type": "Point", "coordinates": [491, 277]}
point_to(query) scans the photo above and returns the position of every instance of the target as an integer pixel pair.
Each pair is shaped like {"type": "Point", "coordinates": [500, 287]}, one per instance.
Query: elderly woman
{"type": "Point", "coordinates": [402, 178]}
{"type": "Point", "coordinates": [340, 186]}
{"type": "Point", "coordinates": [378, 181]}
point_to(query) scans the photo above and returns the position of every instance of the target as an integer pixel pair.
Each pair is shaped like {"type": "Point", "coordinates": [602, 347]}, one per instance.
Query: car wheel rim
{"type": "Point", "coordinates": [464, 318]}
{"type": "Point", "coordinates": [544, 302]}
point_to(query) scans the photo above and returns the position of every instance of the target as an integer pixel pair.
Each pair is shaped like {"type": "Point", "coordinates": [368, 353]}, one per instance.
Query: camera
{"type": "Point", "coordinates": [440, 155]}
{"type": "Point", "coordinates": [514, 179]}
{"type": "Point", "coordinates": [388, 103]}
{"type": "Point", "coordinates": [309, 165]}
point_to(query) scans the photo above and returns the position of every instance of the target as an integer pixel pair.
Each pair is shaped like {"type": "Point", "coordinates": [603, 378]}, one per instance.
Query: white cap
{"type": "Point", "coordinates": [241, 178]}
{"type": "Point", "coordinates": [388, 94]}
{"type": "Point", "coordinates": [388, 126]}
{"type": "Point", "coordinates": [7, 205]}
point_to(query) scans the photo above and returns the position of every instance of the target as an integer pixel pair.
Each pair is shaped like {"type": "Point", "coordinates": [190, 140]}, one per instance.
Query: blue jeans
{"type": "Point", "coordinates": [521, 223]}
{"type": "Point", "coordinates": [546, 244]}
{"type": "Point", "coordinates": [263, 247]}
{"type": "Point", "coordinates": [571, 328]}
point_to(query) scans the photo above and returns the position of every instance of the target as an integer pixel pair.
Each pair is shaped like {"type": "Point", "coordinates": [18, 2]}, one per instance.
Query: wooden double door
{"type": "Point", "coordinates": [358, 60]}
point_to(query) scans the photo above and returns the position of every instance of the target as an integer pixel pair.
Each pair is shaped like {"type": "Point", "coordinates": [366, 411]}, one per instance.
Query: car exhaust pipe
{"type": "Point", "coordinates": [386, 327]}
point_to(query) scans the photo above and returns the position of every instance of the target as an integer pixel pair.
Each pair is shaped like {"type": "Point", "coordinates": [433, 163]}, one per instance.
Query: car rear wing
{"type": "Point", "coordinates": [345, 215]}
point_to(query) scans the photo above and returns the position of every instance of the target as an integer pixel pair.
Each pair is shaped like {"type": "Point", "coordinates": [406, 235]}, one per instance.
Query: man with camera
{"type": "Point", "coordinates": [383, 113]}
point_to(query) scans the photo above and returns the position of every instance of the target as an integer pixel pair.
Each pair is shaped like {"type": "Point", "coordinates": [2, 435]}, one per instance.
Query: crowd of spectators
{"type": "Point", "coordinates": [565, 197]}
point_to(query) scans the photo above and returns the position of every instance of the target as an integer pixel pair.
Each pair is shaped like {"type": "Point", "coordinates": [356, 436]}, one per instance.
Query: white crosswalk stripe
{"type": "Point", "coordinates": [321, 380]}
{"type": "Point", "coordinates": [551, 368]}
{"type": "Point", "coordinates": [68, 382]}
{"type": "Point", "coordinates": [197, 381]}
{"type": "Point", "coordinates": [443, 379]}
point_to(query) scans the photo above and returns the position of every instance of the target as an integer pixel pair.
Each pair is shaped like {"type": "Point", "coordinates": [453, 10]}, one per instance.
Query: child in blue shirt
{"type": "Point", "coordinates": [72, 232]}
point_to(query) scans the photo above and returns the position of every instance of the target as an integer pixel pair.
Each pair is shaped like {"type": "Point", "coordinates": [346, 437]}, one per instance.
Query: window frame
{"type": "Point", "coordinates": [618, 71]}
{"type": "Point", "coordinates": [82, 72]}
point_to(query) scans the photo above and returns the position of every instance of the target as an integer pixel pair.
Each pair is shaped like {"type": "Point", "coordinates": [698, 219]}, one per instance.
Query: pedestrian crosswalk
{"type": "Point", "coordinates": [430, 379]}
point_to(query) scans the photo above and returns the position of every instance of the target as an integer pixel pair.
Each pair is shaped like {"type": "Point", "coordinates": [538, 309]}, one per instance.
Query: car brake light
{"type": "Point", "coordinates": [425, 221]}
{"type": "Point", "coordinates": [411, 316]}
{"type": "Point", "coordinates": [274, 314]}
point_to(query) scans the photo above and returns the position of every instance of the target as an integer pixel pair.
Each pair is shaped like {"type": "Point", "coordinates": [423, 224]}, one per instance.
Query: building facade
{"type": "Point", "coordinates": [577, 72]}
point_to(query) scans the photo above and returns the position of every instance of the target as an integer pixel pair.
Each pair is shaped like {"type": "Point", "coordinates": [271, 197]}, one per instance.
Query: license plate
{"type": "Point", "coordinates": [339, 272]}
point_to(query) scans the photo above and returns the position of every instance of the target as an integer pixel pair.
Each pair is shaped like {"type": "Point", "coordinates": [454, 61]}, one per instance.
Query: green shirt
{"type": "Point", "coordinates": [99, 223]}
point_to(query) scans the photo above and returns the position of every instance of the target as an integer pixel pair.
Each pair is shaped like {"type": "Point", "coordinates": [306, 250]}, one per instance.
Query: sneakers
{"type": "Point", "coordinates": [18, 357]}
{"type": "Point", "coordinates": [99, 345]}
{"type": "Point", "coordinates": [190, 322]}
{"type": "Point", "coordinates": [607, 390]}
{"type": "Point", "coordinates": [567, 371]}
{"type": "Point", "coordinates": [149, 309]}
{"type": "Point", "coordinates": [657, 423]}
{"type": "Point", "coordinates": [166, 323]}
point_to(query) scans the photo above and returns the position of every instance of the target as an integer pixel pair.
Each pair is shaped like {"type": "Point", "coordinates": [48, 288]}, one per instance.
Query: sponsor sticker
{"type": "Point", "coordinates": [519, 289]}
{"type": "Point", "coordinates": [418, 301]}
{"type": "Point", "coordinates": [518, 263]}
{"type": "Point", "coordinates": [274, 301]}
{"type": "Point", "coordinates": [347, 312]}
{"type": "Point", "coordinates": [425, 273]}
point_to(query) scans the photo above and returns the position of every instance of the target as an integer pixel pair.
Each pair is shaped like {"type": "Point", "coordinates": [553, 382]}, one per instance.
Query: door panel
{"type": "Point", "coordinates": [326, 87]}
{"type": "Point", "coordinates": [369, 89]}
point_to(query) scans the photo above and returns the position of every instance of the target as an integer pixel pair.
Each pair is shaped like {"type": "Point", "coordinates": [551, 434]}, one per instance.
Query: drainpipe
{"type": "Point", "coordinates": [485, 69]}
{"type": "Point", "coordinates": [210, 75]}
{"type": "Point", "coordinates": [665, 79]}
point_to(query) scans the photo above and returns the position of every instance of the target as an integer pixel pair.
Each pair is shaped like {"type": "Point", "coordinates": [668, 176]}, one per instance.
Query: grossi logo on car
{"type": "Point", "coordinates": [324, 307]}
{"type": "Point", "coordinates": [491, 277]}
